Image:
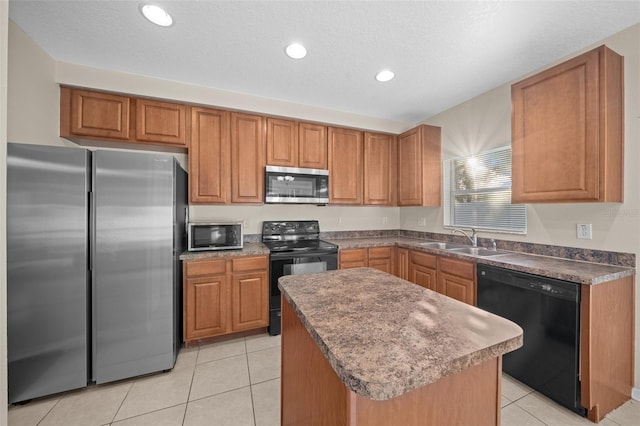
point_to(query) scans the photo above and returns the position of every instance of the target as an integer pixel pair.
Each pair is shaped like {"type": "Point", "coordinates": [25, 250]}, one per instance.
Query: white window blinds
{"type": "Point", "coordinates": [478, 193]}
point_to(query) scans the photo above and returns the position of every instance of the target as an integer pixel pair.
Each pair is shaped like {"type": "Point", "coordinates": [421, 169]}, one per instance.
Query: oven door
{"type": "Point", "coordinates": [293, 264]}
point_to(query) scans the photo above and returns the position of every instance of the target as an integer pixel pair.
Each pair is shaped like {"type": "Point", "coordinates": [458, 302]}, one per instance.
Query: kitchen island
{"type": "Point", "coordinates": [360, 346]}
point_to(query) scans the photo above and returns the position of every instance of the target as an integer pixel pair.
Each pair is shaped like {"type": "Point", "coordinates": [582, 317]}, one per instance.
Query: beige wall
{"type": "Point", "coordinates": [332, 218]}
{"type": "Point", "coordinates": [4, 45]}
{"type": "Point", "coordinates": [33, 112]}
{"type": "Point", "coordinates": [481, 123]}
{"type": "Point", "coordinates": [485, 122]}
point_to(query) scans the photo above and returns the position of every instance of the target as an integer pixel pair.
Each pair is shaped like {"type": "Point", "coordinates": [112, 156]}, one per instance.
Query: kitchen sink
{"type": "Point", "coordinates": [441, 245]}
{"type": "Point", "coordinates": [476, 251]}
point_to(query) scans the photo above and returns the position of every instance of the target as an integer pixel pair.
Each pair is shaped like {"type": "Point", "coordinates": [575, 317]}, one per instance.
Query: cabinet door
{"type": "Point", "coordinates": [345, 166]}
{"type": "Point", "coordinates": [409, 169]}
{"type": "Point", "coordinates": [352, 258]}
{"type": "Point", "coordinates": [209, 156]}
{"type": "Point", "coordinates": [163, 122]}
{"type": "Point", "coordinates": [250, 301]}
{"type": "Point", "coordinates": [379, 169]}
{"type": "Point", "coordinates": [312, 146]}
{"type": "Point", "coordinates": [402, 263]}
{"type": "Point", "coordinates": [381, 258]}
{"type": "Point", "coordinates": [205, 307]}
{"type": "Point", "coordinates": [423, 269]}
{"type": "Point", "coordinates": [420, 167]}
{"type": "Point", "coordinates": [247, 158]}
{"type": "Point", "coordinates": [457, 288]}
{"type": "Point", "coordinates": [567, 131]}
{"type": "Point", "coordinates": [457, 279]}
{"type": "Point", "coordinates": [94, 114]}
{"type": "Point", "coordinates": [282, 142]}
{"type": "Point", "coordinates": [384, 265]}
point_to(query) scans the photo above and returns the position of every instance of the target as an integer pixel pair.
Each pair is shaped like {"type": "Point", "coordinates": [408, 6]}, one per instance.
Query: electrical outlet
{"type": "Point", "coordinates": [583, 231]}
{"type": "Point", "coordinates": [245, 224]}
{"type": "Point", "coordinates": [422, 221]}
{"type": "Point", "coordinates": [385, 220]}
{"type": "Point", "coordinates": [339, 221]}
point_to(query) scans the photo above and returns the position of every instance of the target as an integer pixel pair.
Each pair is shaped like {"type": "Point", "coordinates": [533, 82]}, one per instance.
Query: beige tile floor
{"type": "Point", "coordinates": [237, 383]}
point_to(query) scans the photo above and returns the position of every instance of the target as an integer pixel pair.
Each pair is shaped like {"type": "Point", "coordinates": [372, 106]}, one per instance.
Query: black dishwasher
{"type": "Point", "coordinates": [548, 311]}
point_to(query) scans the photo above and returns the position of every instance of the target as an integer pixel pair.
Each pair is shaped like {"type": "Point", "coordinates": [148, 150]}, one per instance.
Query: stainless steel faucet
{"type": "Point", "coordinates": [473, 238]}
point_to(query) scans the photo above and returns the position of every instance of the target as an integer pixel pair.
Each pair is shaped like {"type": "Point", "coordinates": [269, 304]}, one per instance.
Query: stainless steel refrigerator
{"type": "Point", "coordinates": [94, 280]}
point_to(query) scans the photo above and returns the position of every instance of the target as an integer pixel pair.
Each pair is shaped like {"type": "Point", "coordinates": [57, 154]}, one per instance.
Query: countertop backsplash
{"type": "Point", "coordinates": [626, 260]}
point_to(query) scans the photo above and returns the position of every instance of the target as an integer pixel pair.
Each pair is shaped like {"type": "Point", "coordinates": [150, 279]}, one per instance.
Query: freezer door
{"type": "Point", "coordinates": [133, 309]}
{"type": "Point", "coordinates": [47, 250]}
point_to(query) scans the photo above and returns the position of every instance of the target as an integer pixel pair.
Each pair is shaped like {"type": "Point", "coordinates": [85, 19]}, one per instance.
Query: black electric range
{"type": "Point", "coordinates": [295, 248]}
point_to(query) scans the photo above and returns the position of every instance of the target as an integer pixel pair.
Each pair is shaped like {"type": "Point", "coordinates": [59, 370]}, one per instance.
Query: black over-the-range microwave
{"type": "Point", "coordinates": [214, 236]}
{"type": "Point", "coordinates": [296, 185]}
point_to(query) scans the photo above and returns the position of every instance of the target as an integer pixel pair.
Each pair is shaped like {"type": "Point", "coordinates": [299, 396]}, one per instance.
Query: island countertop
{"type": "Point", "coordinates": [384, 336]}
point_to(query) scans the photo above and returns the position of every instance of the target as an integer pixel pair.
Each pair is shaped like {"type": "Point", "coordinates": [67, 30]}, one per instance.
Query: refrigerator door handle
{"type": "Point", "coordinates": [92, 281]}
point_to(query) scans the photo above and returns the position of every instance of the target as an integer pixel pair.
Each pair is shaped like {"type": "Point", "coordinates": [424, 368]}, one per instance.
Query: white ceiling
{"type": "Point", "coordinates": [443, 53]}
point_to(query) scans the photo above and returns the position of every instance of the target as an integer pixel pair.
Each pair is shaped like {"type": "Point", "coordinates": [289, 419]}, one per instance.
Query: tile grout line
{"type": "Point", "coordinates": [253, 407]}
{"type": "Point", "coordinates": [533, 414]}
{"type": "Point", "coordinates": [193, 375]}
{"type": "Point", "coordinates": [49, 411]}
{"type": "Point", "coordinates": [115, 423]}
{"type": "Point", "coordinates": [122, 402]}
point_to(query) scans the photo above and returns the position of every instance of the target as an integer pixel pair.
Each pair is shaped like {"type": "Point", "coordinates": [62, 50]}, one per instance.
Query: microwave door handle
{"type": "Point", "coordinates": [186, 220]}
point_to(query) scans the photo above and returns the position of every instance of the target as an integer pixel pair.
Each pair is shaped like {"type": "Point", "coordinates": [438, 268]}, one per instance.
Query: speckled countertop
{"type": "Point", "coordinates": [553, 267]}
{"type": "Point", "coordinates": [384, 336]}
{"type": "Point", "coordinates": [248, 249]}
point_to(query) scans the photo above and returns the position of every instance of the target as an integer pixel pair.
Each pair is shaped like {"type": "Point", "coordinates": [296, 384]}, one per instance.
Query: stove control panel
{"type": "Point", "coordinates": [301, 229]}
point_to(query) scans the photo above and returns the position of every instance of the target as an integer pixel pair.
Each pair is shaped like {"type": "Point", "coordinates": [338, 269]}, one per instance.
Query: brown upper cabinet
{"type": "Point", "coordinates": [247, 158]}
{"type": "Point", "coordinates": [226, 157]}
{"type": "Point", "coordinates": [379, 169]}
{"type": "Point", "coordinates": [312, 143]}
{"type": "Point", "coordinates": [159, 121]}
{"type": "Point", "coordinates": [420, 167]}
{"type": "Point", "coordinates": [282, 142]}
{"type": "Point", "coordinates": [229, 150]}
{"type": "Point", "coordinates": [210, 156]}
{"type": "Point", "coordinates": [294, 144]}
{"type": "Point", "coordinates": [345, 166]}
{"type": "Point", "coordinates": [93, 115]}
{"type": "Point", "coordinates": [85, 113]}
{"type": "Point", "coordinates": [568, 131]}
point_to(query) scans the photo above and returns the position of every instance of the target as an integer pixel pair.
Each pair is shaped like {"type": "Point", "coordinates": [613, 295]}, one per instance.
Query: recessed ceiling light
{"type": "Point", "coordinates": [157, 15]}
{"type": "Point", "coordinates": [385, 75]}
{"type": "Point", "coordinates": [296, 51]}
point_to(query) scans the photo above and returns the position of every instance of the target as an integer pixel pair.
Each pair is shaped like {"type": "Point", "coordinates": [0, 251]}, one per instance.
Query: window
{"type": "Point", "coordinates": [478, 193]}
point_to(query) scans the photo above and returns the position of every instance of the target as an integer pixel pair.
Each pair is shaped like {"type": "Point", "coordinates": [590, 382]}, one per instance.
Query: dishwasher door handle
{"type": "Point", "coordinates": [541, 287]}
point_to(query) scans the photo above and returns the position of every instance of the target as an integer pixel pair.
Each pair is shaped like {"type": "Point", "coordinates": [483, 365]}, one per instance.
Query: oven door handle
{"type": "Point", "coordinates": [302, 254]}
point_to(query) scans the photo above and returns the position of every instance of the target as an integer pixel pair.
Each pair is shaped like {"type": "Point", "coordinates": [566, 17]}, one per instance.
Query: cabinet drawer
{"type": "Point", "coordinates": [458, 268]}
{"type": "Point", "coordinates": [424, 259]}
{"type": "Point", "coordinates": [380, 252]}
{"type": "Point", "coordinates": [243, 264]}
{"type": "Point", "coordinates": [197, 268]}
{"type": "Point", "coordinates": [353, 255]}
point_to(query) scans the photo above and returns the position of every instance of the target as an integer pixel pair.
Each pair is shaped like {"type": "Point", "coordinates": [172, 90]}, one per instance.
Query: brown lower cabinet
{"type": "Point", "coordinates": [457, 279]}
{"type": "Point", "coordinates": [606, 334]}
{"type": "Point", "coordinates": [423, 269]}
{"type": "Point", "coordinates": [452, 277]}
{"type": "Point", "coordinates": [381, 258]}
{"type": "Point", "coordinates": [223, 296]}
{"type": "Point", "coordinates": [606, 345]}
